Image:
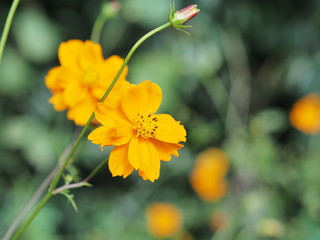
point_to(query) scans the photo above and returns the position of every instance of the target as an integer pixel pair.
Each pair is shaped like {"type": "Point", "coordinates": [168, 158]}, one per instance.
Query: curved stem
{"type": "Point", "coordinates": [76, 143]}
{"type": "Point", "coordinates": [97, 28]}
{"type": "Point", "coordinates": [129, 55]}
{"type": "Point", "coordinates": [7, 26]}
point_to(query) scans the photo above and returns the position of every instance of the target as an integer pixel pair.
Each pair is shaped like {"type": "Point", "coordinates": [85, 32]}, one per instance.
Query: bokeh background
{"type": "Point", "coordinates": [232, 83]}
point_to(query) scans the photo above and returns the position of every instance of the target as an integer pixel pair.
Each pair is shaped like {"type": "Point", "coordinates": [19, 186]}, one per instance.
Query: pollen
{"type": "Point", "coordinates": [146, 125]}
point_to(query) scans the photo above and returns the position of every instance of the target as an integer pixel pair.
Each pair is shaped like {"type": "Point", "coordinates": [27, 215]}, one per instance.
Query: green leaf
{"type": "Point", "coordinates": [70, 198]}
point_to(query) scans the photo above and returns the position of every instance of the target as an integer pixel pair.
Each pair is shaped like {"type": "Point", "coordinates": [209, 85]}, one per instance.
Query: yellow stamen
{"type": "Point", "coordinates": [146, 125]}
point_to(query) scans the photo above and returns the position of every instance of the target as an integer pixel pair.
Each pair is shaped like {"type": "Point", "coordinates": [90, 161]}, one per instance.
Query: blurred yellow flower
{"type": "Point", "coordinates": [207, 177]}
{"type": "Point", "coordinates": [141, 137]}
{"type": "Point", "coordinates": [82, 78]}
{"type": "Point", "coordinates": [164, 220]}
{"type": "Point", "coordinates": [305, 114]}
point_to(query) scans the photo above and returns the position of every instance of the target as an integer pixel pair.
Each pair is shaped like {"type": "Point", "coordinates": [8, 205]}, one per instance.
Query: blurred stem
{"type": "Point", "coordinates": [34, 214]}
{"type": "Point", "coordinates": [97, 27]}
{"type": "Point", "coordinates": [240, 79]}
{"type": "Point", "coordinates": [108, 10]}
{"type": "Point", "coordinates": [77, 141]}
{"type": "Point", "coordinates": [7, 26]}
{"type": "Point", "coordinates": [30, 203]}
{"type": "Point", "coordinates": [44, 185]}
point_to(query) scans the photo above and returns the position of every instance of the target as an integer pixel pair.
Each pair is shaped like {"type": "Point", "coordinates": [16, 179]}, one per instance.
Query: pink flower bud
{"type": "Point", "coordinates": [180, 17]}
{"type": "Point", "coordinates": [187, 13]}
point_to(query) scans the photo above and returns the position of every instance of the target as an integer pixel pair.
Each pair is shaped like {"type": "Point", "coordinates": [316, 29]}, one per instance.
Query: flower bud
{"type": "Point", "coordinates": [110, 9]}
{"type": "Point", "coordinates": [177, 18]}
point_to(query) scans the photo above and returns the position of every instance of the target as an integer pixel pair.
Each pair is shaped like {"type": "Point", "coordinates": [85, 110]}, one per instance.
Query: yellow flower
{"type": "Point", "coordinates": [305, 114]}
{"type": "Point", "coordinates": [164, 220]}
{"type": "Point", "coordinates": [207, 177]}
{"type": "Point", "coordinates": [141, 137]}
{"type": "Point", "coordinates": [82, 78]}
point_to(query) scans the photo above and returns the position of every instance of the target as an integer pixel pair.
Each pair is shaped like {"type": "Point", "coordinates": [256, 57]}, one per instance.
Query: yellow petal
{"type": "Point", "coordinates": [59, 77]}
{"type": "Point", "coordinates": [144, 157]}
{"type": "Point", "coordinates": [75, 93]}
{"type": "Point", "coordinates": [144, 175]}
{"type": "Point", "coordinates": [165, 150]}
{"type": "Point", "coordinates": [108, 136]}
{"type": "Point", "coordinates": [68, 53]}
{"type": "Point", "coordinates": [98, 92]}
{"type": "Point", "coordinates": [58, 102]}
{"type": "Point", "coordinates": [52, 79]}
{"type": "Point", "coordinates": [81, 112]}
{"type": "Point", "coordinates": [144, 98]}
{"type": "Point", "coordinates": [90, 55]}
{"type": "Point", "coordinates": [170, 130]}
{"type": "Point", "coordinates": [103, 136]}
{"type": "Point", "coordinates": [118, 162]}
{"type": "Point", "coordinates": [109, 70]}
{"type": "Point", "coordinates": [108, 114]}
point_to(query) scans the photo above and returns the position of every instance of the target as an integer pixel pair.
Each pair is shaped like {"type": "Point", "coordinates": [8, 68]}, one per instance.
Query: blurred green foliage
{"type": "Point", "coordinates": [231, 83]}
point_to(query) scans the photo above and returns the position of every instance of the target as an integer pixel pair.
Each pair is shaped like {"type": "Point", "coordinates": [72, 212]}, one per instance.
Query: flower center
{"type": "Point", "coordinates": [146, 125]}
{"type": "Point", "coordinates": [90, 75]}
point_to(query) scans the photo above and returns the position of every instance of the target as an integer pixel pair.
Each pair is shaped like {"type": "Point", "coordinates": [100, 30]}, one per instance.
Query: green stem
{"type": "Point", "coordinates": [7, 26]}
{"type": "Point", "coordinates": [84, 182]}
{"type": "Point", "coordinates": [97, 28]}
{"type": "Point", "coordinates": [75, 145]}
{"type": "Point", "coordinates": [94, 172]}
{"type": "Point", "coordinates": [34, 214]}
{"type": "Point", "coordinates": [129, 55]}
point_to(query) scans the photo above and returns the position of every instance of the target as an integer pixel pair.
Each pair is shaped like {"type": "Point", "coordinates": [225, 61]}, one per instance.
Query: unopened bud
{"type": "Point", "coordinates": [110, 9]}
{"type": "Point", "coordinates": [177, 18]}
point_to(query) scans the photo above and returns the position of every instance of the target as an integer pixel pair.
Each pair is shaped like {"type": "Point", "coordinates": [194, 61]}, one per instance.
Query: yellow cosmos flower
{"type": "Point", "coordinates": [207, 177]}
{"type": "Point", "coordinates": [82, 78]}
{"type": "Point", "coordinates": [305, 114]}
{"type": "Point", "coordinates": [141, 137]}
{"type": "Point", "coordinates": [164, 220]}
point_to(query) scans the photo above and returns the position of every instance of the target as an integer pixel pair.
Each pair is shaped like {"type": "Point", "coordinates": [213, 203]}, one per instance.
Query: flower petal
{"type": "Point", "coordinates": [103, 136]}
{"type": "Point", "coordinates": [74, 93]}
{"type": "Point", "coordinates": [144, 157]}
{"type": "Point", "coordinates": [109, 70]}
{"type": "Point", "coordinates": [58, 102]}
{"type": "Point", "coordinates": [68, 53]}
{"type": "Point", "coordinates": [165, 150]}
{"type": "Point", "coordinates": [81, 112]}
{"type": "Point", "coordinates": [108, 114]}
{"type": "Point", "coordinates": [52, 79]}
{"type": "Point", "coordinates": [170, 130]}
{"type": "Point", "coordinates": [119, 164]}
{"type": "Point", "coordinates": [90, 55]}
{"type": "Point", "coordinates": [144, 98]}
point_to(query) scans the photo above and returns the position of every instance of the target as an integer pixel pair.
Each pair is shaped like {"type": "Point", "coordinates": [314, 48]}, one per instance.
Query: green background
{"type": "Point", "coordinates": [232, 83]}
